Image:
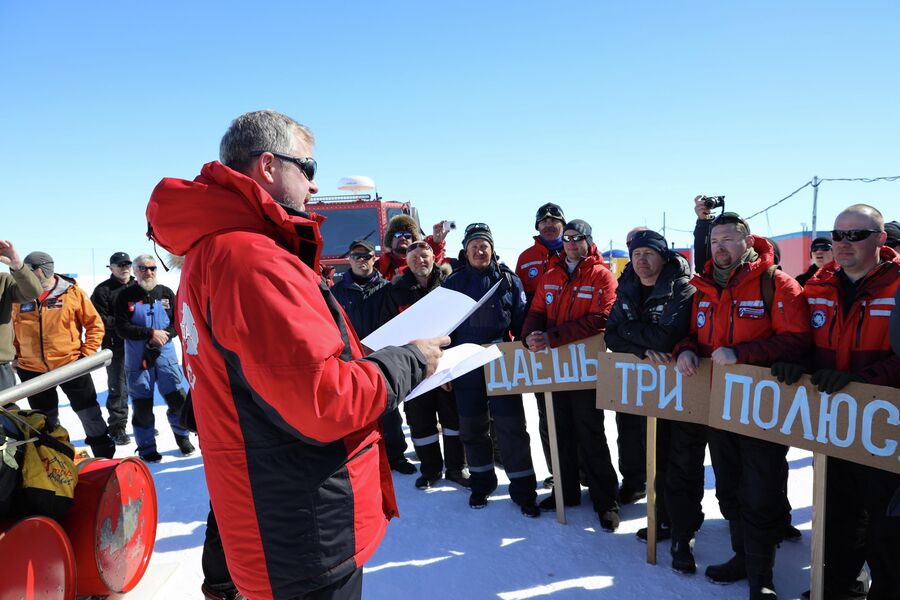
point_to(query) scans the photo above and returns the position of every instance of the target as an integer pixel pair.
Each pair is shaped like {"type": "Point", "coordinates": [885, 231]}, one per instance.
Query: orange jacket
{"type": "Point", "coordinates": [48, 333]}
{"type": "Point", "coordinates": [572, 306]}
{"type": "Point", "coordinates": [855, 338]}
{"type": "Point", "coordinates": [736, 317]}
{"type": "Point", "coordinates": [533, 263]}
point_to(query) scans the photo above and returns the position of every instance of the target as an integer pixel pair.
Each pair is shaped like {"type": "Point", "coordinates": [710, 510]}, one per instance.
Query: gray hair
{"type": "Point", "coordinates": [144, 258]}
{"type": "Point", "coordinates": [260, 130]}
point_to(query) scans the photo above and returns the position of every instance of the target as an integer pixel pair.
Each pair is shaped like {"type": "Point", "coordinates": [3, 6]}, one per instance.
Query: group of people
{"type": "Point", "coordinates": [47, 321]}
{"type": "Point", "coordinates": [301, 425]}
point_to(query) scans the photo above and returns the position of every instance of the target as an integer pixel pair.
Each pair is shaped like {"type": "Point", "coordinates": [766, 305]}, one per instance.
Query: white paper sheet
{"type": "Point", "coordinates": [454, 362]}
{"type": "Point", "coordinates": [438, 313]}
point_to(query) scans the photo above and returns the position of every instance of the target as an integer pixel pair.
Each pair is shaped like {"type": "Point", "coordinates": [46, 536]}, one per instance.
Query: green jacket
{"type": "Point", "coordinates": [16, 286]}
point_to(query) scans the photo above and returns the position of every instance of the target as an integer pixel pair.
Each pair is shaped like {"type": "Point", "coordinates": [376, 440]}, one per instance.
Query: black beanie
{"type": "Point", "coordinates": [581, 227]}
{"type": "Point", "coordinates": [478, 231]}
{"type": "Point", "coordinates": [647, 238]}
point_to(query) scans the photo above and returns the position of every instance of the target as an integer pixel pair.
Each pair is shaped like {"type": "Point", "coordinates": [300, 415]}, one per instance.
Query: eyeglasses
{"type": "Point", "coordinates": [820, 248]}
{"type": "Point", "coordinates": [145, 268]}
{"type": "Point", "coordinates": [123, 264]}
{"type": "Point", "coordinates": [362, 255]}
{"type": "Point", "coordinates": [307, 164]}
{"type": "Point", "coordinates": [403, 234]}
{"type": "Point", "coordinates": [574, 238]}
{"type": "Point", "coordinates": [852, 235]}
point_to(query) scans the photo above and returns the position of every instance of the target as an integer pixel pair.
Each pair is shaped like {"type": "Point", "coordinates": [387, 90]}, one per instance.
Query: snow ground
{"type": "Point", "coordinates": [440, 548]}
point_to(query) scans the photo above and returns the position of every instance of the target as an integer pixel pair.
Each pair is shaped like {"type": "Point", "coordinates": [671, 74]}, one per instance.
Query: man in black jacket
{"type": "Point", "coordinates": [820, 255]}
{"type": "Point", "coordinates": [361, 292]}
{"type": "Point", "coordinates": [651, 314]}
{"type": "Point", "coordinates": [439, 405]}
{"type": "Point", "coordinates": [104, 299]}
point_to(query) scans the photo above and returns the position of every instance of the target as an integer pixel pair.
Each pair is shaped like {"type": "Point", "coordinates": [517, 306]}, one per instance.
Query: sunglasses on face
{"type": "Point", "coordinates": [123, 264]}
{"type": "Point", "coordinates": [361, 255]}
{"type": "Point", "coordinates": [851, 235]}
{"type": "Point", "coordinates": [403, 234]}
{"type": "Point", "coordinates": [307, 164]}
{"type": "Point", "coordinates": [145, 268]}
{"type": "Point", "coordinates": [574, 238]}
{"type": "Point", "coordinates": [820, 248]}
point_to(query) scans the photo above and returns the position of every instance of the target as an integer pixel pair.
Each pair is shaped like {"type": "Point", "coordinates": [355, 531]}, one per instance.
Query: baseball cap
{"type": "Point", "coordinates": [119, 257]}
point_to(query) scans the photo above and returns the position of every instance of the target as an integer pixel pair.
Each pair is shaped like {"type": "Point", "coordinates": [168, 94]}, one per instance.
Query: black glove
{"type": "Point", "coordinates": [832, 380]}
{"type": "Point", "coordinates": [148, 359]}
{"type": "Point", "coordinates": [786, 372]}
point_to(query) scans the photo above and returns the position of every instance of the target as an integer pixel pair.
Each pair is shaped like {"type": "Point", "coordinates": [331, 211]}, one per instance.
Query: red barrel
{"type": "Point", "coordinates": [112, 524]}
{"type": "Point", "coordinates": [36, 561]}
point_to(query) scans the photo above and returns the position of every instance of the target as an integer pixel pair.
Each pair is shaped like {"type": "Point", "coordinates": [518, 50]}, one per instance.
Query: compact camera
{"type": "Point", "coordinates": [712, 202]}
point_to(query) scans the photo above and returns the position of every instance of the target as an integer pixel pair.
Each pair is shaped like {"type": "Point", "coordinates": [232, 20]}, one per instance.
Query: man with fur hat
{"type": "Point", "coordinates": [402, 231]}
{"type": "Point", "coordinates": [651, 314]}
{"type": "Point", "coordinates": [548, 244]}
{"type": "Point", "coordinates": [437, 407]}
{"type": "Point", "coordinates": [19, 285]}
{"type": "Point", "coordinates": [572, 302]}
{"type": "Point", "coordinates": [497, 320]}
{"type": "Point", "coordinates": [49, 333]}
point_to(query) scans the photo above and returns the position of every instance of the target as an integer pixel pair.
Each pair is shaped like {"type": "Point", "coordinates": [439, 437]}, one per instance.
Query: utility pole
{"type": "Point", "coordinates": [664, 224]}
{"type": "Point", "coordinates": [815, 184]}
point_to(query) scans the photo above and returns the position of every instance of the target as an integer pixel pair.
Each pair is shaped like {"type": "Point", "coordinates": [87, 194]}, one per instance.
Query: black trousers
{"type": "Point", "coordinates": [394, 439]}
{"type": "Point", "coordinates": [858, 530]}
{"type": "Point", "coordinates": [685, 477]}
{"type": "Point", "coordinates": [580, 432]}
{"type": "Point", "coordinates": [632, 443]}
{"type": "Point", "coordinates": [117, 391]}
{"type": "Point", "coordinates": [423, 414]}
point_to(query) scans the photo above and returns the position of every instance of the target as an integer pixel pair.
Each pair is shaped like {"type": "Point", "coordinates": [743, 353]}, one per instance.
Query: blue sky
{"type": "Point", "coordinates": [471, 110]}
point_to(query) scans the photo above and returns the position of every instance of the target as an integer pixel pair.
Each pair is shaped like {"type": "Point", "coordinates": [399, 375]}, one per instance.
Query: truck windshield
{"type": "Point", "coordinates": [345, 225]}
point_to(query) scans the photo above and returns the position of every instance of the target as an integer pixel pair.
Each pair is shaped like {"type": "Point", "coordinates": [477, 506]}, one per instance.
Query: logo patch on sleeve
{"type": "Point", "coordinates": [701, 320]}
{"type": "Point", "coordinates": [533, 272]}
{"type": "Point", "coordinates": [549, 298]}
{"type": "Point", "coordinates": [818, 318]}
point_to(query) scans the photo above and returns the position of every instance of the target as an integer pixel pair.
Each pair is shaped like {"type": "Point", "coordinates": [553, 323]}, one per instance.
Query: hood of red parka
{"type": "Point", "coordinates": [181, 213]}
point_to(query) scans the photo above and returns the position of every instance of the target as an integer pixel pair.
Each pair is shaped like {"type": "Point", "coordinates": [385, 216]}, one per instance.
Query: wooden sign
{"type": "Point", "coordinates": [860, 423]}
{"type": "Point", "coordinates": [639, 387]}
{"type": "Point", "coordinates": [520, 371]}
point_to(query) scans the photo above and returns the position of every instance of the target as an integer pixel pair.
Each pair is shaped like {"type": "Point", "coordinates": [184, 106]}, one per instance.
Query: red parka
{"type": "Point", "coordinates": [574, 306]}
{"type": "Point", "coordinates": [736, 317]}
{"type": "Point", "coordinates": [533, 263]}
{"type": "Point", "coordinates": [855, 338]}
{"type": "Point", "coordinates": [287, 417]}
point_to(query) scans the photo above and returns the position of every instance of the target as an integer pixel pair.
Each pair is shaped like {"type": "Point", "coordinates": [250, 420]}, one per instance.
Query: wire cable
{"type": "Point", "coordinates": [802, 187]}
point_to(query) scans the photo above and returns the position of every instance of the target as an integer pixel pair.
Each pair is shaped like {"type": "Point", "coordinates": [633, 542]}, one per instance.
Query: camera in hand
{"type": "Point", "coordinates": [712, 202]}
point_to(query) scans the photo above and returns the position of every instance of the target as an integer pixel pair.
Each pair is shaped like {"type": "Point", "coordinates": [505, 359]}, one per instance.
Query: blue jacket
{"type": "Point", "coordinates": [362, 303]}
{"type": "Point", "coordinates": [500, 318]}
{"type": "Point", "coordinates": [138, 313]}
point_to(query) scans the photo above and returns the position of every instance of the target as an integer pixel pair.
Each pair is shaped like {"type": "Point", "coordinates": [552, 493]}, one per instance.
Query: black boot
{"type": "Point", "coordinates": [102, 446]}
{"type": "Point", "coordinates": [734, 569]}
{"type": "Point", "coordinates": [760, 561]}
{"type": "Point", "coordinates": [683, 556]}
{"type": "Point", "coordinates": [184, 444]}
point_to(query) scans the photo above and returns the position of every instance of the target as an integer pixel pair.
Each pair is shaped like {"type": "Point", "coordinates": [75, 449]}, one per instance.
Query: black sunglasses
{"type": "Point", "coordinates": [477, 226]}
{"type": "Point", "coordinates": [574, 238]}
{"type": "Point", "coordinates": [307, 164]}
{"type": "Point", "coordinates": [361, 255]}
{"type": "Point", "coordinates": [549, 211]}
{"type": "Point", "coordinates": [820, 248]}
{"type": "Point", "coordinates": [852, 235]}
{"type": "Point", "coordinates": [145, 268]}
{"type": "Point", "coordinates": [123, 264]}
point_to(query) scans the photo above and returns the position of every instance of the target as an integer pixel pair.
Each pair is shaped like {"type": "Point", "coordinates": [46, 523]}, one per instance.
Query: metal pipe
{"type": "Point", "coordinates": [56, 377]}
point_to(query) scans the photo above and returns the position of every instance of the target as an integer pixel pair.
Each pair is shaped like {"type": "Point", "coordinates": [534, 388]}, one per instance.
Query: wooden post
{"type": "Point", "coordinates": [817, 561]}
{"type": "Point", "coordinates": [651, 490]}
{"type": "Point", "coordinates": [554, 459]}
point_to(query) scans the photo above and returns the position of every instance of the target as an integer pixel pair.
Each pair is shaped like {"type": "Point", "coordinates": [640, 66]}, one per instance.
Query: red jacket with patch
{"type": "Point", "coordinates": [391, 266]}
{"type": "Point", "coordinates": [533, 263]}
{"type": "Point", "coordinates": [574, 306]}
{"type": "Point", "coordinates": [736, 316]}
{"type": "Point", "coordinates": [855, 338]}
{"type": "Point", "coordinates": [287, 414]}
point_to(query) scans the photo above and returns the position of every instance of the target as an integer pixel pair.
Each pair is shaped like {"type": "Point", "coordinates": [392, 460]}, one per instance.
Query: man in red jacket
{"type": "Point", "coordinates": [572, 302]}
{"type": "Point", "coordinates": [286, 408]}
{"type": "Point", "coordinates": [532, 263]}
{"type": "Point", "coordinates": [746, 311]}
{"type": "Point", "coordinates": [850, 302]}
